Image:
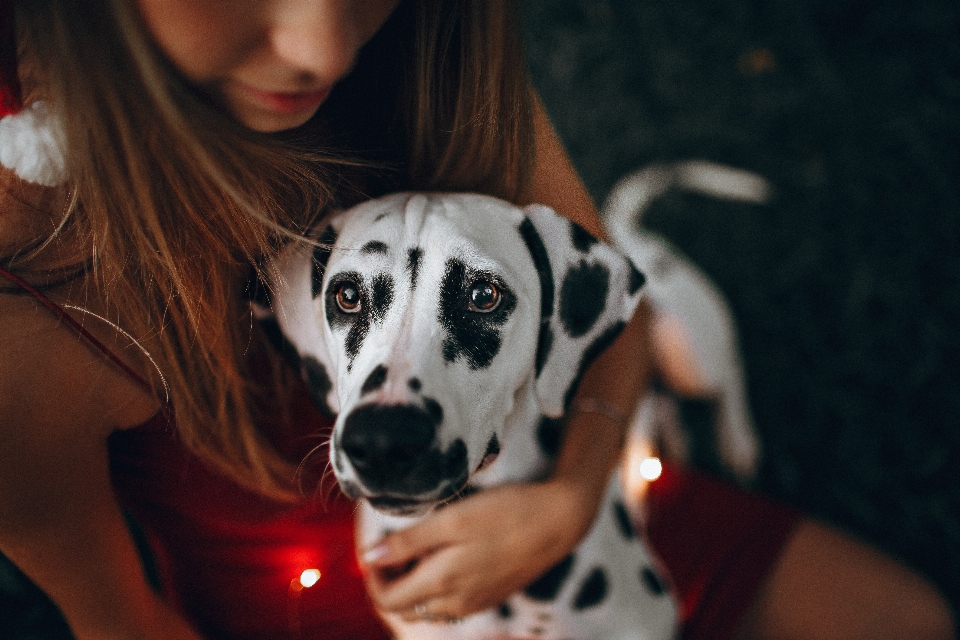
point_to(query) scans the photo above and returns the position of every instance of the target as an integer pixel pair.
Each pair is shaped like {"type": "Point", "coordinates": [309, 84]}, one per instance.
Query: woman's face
{"type": "Point", "coordinates": [269, 63]}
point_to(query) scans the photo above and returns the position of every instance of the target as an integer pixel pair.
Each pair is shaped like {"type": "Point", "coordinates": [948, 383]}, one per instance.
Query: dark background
{"type": "Point", "coordinates": [846, 288]}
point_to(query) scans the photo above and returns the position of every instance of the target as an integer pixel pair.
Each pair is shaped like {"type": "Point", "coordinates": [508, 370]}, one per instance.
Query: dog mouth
{"type": "Point", "coordinates": [403, 506]}
{"type": "Point", "coordinates": [393, 505]}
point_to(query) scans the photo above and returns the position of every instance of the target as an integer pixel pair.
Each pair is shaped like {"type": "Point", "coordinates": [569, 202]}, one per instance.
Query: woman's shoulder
{"type": "Point", "coordinates": [57, 393]}
{"type": "Point", "coordinates": [50, 375]}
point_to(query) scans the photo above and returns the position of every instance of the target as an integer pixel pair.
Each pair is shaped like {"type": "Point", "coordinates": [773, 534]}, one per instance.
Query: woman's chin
{"type": "Point", "coordinates": [272, 122]}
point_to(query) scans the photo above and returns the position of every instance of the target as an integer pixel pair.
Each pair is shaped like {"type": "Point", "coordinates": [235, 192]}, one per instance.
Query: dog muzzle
{"type": "Point", "coordinates": [399, 463]}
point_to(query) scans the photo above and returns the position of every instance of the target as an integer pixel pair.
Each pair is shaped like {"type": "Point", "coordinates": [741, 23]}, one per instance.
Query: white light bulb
{"type": "Point", "coordinates": [309, 578]}
{"type": "Point", "coordinates": [650, 469]}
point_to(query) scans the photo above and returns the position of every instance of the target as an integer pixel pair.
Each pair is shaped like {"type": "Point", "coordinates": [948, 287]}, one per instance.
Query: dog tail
{"type": "Point", "coordinates": [633, 194]}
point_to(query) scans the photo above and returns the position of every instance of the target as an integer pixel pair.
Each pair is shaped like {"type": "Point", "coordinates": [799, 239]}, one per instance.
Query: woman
{"type": "Point", "coordinates": [169, 204]}
{"type": "Point", "coordinates": [199, 136]}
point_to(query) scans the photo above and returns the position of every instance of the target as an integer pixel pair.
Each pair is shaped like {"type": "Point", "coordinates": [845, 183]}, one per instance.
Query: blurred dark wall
{"type": "Point", "coordinates": [847, 288]}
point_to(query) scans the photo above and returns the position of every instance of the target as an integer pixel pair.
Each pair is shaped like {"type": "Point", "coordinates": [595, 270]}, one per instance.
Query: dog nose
{"type": "Point", "coordinates": [375, 380]}
{"type": "Point", "coordinates": [393, 449]}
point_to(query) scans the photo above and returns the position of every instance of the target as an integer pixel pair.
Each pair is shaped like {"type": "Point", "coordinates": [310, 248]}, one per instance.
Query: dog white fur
{"type": "Point", "coordinates": [694, 334]}
{"type": "Point", "coordinates": [447, 333]}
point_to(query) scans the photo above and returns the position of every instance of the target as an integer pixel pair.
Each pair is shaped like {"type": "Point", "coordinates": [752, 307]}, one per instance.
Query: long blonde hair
{"type": "Point", "coordinates": [175, 203]}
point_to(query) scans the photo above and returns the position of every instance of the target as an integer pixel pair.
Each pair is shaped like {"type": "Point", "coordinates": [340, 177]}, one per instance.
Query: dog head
{"type": "Point", "coordinates": [421, 318]}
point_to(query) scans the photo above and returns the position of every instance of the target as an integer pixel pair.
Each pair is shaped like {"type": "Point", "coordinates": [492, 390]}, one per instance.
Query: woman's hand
{"type": "Point", "coordinates": [471, 555]}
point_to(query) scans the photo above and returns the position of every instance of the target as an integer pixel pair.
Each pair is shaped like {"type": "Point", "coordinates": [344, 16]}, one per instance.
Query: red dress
{"type": "Point", "coordinates": [231, 558]}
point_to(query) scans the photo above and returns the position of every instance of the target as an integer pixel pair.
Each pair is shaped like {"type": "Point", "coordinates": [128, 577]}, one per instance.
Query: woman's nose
{"type": "Point", "coordinates": [318, 37]}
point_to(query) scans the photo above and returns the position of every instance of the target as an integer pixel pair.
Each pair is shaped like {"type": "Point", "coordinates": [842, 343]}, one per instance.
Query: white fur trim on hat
{"type": "Point", "coordinates": [30, 144]}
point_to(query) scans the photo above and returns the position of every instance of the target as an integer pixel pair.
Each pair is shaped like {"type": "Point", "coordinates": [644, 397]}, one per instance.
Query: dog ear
{"type": "Point", "coordinates": [296, 284]}
{"type": "Point", "coordinates": [588, 293]}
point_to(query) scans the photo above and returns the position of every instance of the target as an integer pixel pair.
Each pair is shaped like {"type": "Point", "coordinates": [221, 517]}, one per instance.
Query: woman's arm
{"type": "Point", "coordinates": [525, 528]}
{"type": "Point", "coordinates": [593, 441]}
{"type": "Point", "coordinates": [59, 520]}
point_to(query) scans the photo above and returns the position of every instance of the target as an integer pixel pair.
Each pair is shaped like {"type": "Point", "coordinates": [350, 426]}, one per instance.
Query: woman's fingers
{"type": "Point", "coordinates": [402, 547]}
{"type": "Point", "coordinates": [439, 561]}
{"type": "Point", "coordinates": [473, 554]}
{"type": "Point", "coordinates": [439, 575]}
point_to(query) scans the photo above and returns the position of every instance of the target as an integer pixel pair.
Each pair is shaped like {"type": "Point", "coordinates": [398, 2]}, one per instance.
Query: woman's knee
{"type": "Point", "coordinates": [826, 585]}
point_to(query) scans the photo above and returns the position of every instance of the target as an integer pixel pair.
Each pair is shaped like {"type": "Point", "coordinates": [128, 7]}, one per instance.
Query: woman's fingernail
{"type": "Point", "coordinates": [375, 554]}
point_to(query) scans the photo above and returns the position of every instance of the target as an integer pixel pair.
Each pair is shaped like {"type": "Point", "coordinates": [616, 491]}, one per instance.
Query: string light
{"type": "Point", "coordinates": [650, 468]}
{"type": "Point", "coordinates": [309, 578]}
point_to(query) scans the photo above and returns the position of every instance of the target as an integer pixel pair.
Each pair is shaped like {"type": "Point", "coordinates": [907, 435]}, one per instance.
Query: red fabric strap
{"type": "Point", "coordinates": [11, 99]}
{"type": "Point", "coordinates": [61, 313]}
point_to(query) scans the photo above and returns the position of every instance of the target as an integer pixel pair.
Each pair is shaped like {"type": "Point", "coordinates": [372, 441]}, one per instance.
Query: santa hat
{"type": "Point", "coordinates": [30, 137]}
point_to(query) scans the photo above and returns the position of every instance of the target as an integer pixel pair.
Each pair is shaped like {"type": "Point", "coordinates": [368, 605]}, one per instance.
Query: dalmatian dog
{"type": "Point", "coordinates": [447, 333]}
{"type": "Point", "coordinates": [694, 335]}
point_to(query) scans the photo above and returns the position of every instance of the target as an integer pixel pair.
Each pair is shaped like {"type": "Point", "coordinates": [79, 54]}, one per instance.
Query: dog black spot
{"type": "Point", "coordinates": [358, 323]}
{"type": "Point", "coordinates": [382, 296]}
{"type": "Point", "coordinates": [583, 296]}
{"type": "Point", "coordinates": [394, 450]}
{"type": "Point", "coordinates": [581, 238]}
{"type": "Point", "coordinates": [548, 585]}
{"type": "Point", "coordinates": [415, 385]}
{"type": "Point", "coordinates": [321, 254]}
{"type": "Point", "coordinates": [637, 279]}
{"type": "Point", "coordinates": [471, 335]}
{"type": "Point", "coordinates": [505, 611]}
{"type": "Point", "coordinates": [318, 384]}
{"type": "Point", "coordinates": [374, 246]}
{"type": "Point", "coordinates": [541, 262]}
{"type": "Point", "coordinates": [597, 347]}
{"type": "Point", "coordinates": [538, 631]}
{"type": "Point", "coordinates": [652, 581]}
{"type": "Point", "coordinates": [623, 520]}
{"type": "Point", "coordinates": [414, 258]}
{"type": "Point", "coordinates": [544, 342]}
{"type": "Point", "coordinates": [276, 338]}
{"type": "Point", "coordinates": [592, 591]}
{"type": "Point", "coordinates": [699, 415]}
{"type": "Point", "coordinates": [434, 410]}
{"type": "Point", "coordinates": [375, 380]}
{"type": "Point", "coordinates": [550, 435]}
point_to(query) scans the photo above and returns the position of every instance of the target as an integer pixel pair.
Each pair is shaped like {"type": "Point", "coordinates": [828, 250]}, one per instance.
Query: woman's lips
{"type": "Point", "coordinates": [288, 102]}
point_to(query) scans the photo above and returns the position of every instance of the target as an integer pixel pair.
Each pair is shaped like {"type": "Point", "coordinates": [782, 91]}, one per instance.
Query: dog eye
{"type": "Point", "coordinates": [348, 297]}
{"type": "Point", "coordinates": [484, 297]}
